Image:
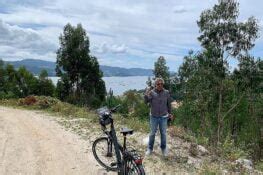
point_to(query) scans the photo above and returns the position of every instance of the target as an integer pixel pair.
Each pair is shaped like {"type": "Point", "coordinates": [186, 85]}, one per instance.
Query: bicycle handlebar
{"type": "Point", "coordinates": [114, 109]}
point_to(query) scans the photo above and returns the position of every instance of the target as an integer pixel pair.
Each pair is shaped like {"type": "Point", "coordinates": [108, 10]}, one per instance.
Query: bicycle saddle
{"type": "Point", "coordinates": [126, 131]}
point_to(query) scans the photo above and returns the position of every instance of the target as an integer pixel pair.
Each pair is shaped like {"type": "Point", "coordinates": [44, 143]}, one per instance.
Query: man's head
{"type": "Point", "coordinates": [159, 84]}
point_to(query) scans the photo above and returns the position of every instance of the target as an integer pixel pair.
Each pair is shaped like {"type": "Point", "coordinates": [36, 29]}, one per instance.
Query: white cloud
{"type": "Point", "coordinates": [106, 48]}
{"type": "Point", "coordinates": [102, 49]}
{"type": "Point", "coordinates": [12, 54]}
{"type": "Point", "coordinates": [179, 9]}
{"type": "Point", "coordinates": [119, 48]}
{"type": "Point", "coordinates": [26, 42]}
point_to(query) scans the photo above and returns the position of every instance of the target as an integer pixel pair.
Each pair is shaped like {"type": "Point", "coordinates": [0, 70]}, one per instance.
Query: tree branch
{"type": "Point", "coordinates": [233, 107]}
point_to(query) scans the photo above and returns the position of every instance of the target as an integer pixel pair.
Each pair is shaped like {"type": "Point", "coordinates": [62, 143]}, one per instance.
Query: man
{"type": "Point", "coordinates": [160, 104]}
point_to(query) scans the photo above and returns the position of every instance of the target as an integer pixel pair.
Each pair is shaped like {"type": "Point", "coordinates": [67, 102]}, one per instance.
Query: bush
{"type": "Point", "coordinates": [46, 102]}
{"type": "Point", "coordinates": [41, 102]}
{"type": "Point", "coordinates": [7, 95]}
{"type": "Point", "coordinates": [95, 102]}
{"type": "Point", "coordinates": [29, 100]}
{"type": "Point", "coordinates": [259, 166]}
{"type": "Point", "coordinates": [141, 110]}
{"type": "Point", "coordinates": [133, 104]}
{"type": "Point", "coordinates": [230, 151]}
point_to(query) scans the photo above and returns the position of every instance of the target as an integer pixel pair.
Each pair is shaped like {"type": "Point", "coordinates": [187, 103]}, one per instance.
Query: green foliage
{"type": "Point", "coordinates": [21, 83]}
{"type": "Point", "coordinates": [135, 104]}
{"type": "Point", "coordinates": [2, 77]}
{"type": "Point", "coordinates": [162, 71]}
{"type": "Point", "coordinates": [149, 82]}
{"type": "Point", "coordinates": [141, 110]}
{"type": "Point", "coordinates": [220, 29]}
{"type": "Point", "coordinates": [81, 79]}
{"type": "Point", "coordinates": [43, 75]}
{"type": "Point", "coordinates": [28, 84]}
{"type": "Point", "coordinates": [132, 104]}
{"type": "Point", "coordinates": [46, 87]}
{"type": "Point", "coordinates": [223, 106]}
{"type": "Point", "coordinates": [210, 169]}
{"type": "Point", "coordinates": [230, 151]}
{"type": "Point", "coordinates": [259, 166]}
{"type": "Point", "coordinates": [201, 140]}
{"type": "Point", "coordinates": [112, 101]}
{"type": "Point", "coordinates": [62, 90]}
{"type": "Point", "coordinates": [7, 95]}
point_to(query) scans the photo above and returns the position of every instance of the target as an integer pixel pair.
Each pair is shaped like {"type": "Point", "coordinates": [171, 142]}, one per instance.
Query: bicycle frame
{"type": "Point", "coordinates": [118, 148]}
{"type": "Point", "coordinates": [112, 135]}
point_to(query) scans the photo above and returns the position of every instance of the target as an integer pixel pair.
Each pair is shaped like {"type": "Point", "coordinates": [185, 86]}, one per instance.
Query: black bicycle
{"type": "Point", "coordinates": [110, 153]}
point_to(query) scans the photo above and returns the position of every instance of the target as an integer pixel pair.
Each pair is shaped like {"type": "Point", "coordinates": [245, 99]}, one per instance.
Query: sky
{"type": "Point", "coordinates": [123, 33]}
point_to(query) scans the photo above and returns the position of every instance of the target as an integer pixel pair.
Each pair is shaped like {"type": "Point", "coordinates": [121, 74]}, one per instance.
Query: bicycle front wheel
{"type": "Point", "coordinates": [104, 152]}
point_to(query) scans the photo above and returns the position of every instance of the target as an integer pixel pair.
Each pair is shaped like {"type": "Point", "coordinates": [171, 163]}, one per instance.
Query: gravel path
{"type": "Point", "coordinates": [31, 143]}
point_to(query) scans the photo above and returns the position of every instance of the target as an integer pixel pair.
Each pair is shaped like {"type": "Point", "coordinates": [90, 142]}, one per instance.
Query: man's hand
{"type": "Point", "coordinates": [148, 92]}
{"type": "Point", "coordinates": [171, 117]}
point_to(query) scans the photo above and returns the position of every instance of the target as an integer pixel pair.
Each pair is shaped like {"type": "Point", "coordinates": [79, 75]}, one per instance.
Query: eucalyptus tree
{"type": "Point", "coordinates": [228, 38]}
{"type": "Point", "coordinates": [81, 79]}
{"type": "Point", "coordinates": [46, 86]}
{"type": "Point", "coordinates": [246, 126]}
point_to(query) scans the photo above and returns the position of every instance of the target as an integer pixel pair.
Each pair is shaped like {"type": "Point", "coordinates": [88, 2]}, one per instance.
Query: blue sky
{"type": "Point", "coordinates": [122, 33]}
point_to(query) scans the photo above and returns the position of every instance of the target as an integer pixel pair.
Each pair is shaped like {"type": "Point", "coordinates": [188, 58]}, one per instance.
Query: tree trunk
{"type": "Point", "coordinates": [234, 129]}
{"type": "Point", "coordinates": [219, 115]}
{"type": "Point", "coordinates": [203, 122]}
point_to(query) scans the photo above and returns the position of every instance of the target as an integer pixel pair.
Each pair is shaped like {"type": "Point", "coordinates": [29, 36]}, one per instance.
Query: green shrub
{"type": "Point", "coordinates": [45, 102]}
{"type": "Point", "coordinates": [94, 102]}
{"type": "Point", "coordinates": [141, 111]}
{"type": "Point", "coordinates": [259, 166]}
{"type": "Point", "coordinates": [230, 151]}
{"type": "Point", "coordinates": [7, 95]}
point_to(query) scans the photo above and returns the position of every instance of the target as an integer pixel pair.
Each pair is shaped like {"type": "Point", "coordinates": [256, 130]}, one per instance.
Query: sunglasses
{"type": "Point", "coordinates": [158, 84]}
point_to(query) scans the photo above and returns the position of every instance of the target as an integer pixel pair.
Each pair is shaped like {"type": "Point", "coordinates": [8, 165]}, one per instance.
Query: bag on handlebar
{"type": "Point", "coordinates": [104, 114]}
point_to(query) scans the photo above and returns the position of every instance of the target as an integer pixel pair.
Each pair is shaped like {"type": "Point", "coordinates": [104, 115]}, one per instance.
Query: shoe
{"type": "Point", "coordinates": [165, 152]}
{"type": "Point", "coordinates": [148, 152]}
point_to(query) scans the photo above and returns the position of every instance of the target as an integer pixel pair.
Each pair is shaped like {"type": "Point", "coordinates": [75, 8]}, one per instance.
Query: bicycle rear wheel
{"type": "Point", "coordinates": [104, 152]}
{"type": "Point", "coordinates": [134, 165]}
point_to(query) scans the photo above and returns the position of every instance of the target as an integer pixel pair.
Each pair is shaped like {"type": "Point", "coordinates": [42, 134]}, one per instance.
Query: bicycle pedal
{"type": "Point", "coordinates": [109, 155]}
{"type": "Point", "coordinates": [113, 164]}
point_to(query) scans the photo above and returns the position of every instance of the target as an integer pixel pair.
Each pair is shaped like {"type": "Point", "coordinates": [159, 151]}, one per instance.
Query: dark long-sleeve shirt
{"type": "Point", "coordinates": [160, 102]}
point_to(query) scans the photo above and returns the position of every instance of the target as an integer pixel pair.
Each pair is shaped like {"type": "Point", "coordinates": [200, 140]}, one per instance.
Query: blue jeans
{"type": "Point", "coordinates": [154, 123]}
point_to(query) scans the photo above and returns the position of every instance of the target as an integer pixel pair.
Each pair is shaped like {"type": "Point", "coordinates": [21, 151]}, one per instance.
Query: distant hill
{"type": "Point", "coordinates": [35, 66]}
{"type": "Point", "coordinates": [109, 71]}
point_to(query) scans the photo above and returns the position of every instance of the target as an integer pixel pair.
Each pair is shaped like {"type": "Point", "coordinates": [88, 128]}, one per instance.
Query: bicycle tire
{"type": "Point", "coordinates": [99, 158]}
{"type": "Point", "coordinates": [133, 168]}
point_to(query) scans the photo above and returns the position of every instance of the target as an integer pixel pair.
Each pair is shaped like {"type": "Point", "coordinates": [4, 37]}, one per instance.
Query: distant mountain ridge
{"type": "Point", "coordinates": [35, 66]}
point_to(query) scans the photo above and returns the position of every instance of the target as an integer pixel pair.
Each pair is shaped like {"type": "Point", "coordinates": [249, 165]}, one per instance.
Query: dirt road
{"type": "Point", "coordinates": [31, 143]}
